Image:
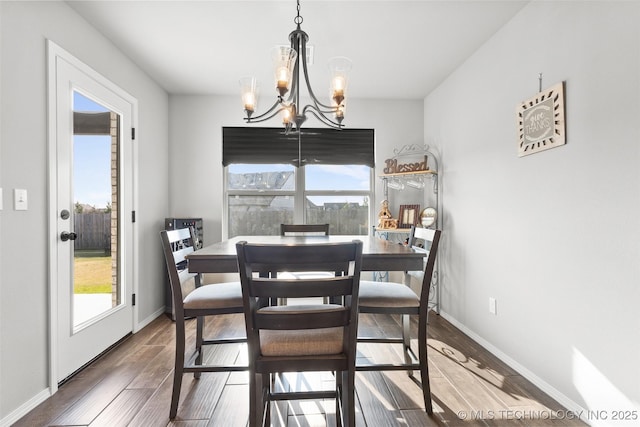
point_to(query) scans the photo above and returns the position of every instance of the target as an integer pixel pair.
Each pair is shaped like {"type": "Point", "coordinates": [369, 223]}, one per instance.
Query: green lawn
{"type": "Point", "coordinates": [92, 275]}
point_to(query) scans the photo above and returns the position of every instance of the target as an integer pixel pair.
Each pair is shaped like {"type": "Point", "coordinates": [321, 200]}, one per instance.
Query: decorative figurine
{"type": "Point", "coordinates": [385, 220]}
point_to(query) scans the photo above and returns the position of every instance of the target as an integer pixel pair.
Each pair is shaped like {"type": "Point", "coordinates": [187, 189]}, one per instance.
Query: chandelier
{"type": "Point", "coordinates": [290, 63]}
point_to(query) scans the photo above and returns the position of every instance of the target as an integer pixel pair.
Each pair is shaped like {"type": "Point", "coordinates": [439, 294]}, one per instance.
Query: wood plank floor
{"type": "Point", "coordinates": [131, 386]}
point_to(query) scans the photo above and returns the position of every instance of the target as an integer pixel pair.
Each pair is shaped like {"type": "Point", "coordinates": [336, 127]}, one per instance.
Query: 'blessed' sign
{"type": "Point", "coordinates": [394, 167]}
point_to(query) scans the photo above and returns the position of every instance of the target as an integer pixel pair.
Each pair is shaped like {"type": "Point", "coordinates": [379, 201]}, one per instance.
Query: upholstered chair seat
{"type": "Point", "coordinates": [386, 294]}
{"type": "Point", "coordinates": [218, 295]}
{"type": "Point", "coordinates": [306, 342]}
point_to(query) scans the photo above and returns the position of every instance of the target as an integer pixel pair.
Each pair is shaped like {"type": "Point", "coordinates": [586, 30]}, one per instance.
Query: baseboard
{"type": "Point", "coordinates": [46, 393]}
{"type": "Point", "coordinates": [25, 408]}
{"type": "Point", "coordinates": [526, 373]}
{"type": "Point", "coordinates": [149, 319]}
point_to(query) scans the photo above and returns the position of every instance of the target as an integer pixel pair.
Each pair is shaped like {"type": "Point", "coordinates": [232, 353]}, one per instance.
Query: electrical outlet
{"type": "Point", "coordinates": [493, 306]}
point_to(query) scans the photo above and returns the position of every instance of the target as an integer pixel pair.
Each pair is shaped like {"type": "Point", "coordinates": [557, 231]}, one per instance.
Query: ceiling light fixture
{"type": "Point", "coordinates": [288, 62]}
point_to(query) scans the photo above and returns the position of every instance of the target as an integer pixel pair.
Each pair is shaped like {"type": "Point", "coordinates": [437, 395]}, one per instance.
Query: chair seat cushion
{"type": "Point", "coordinates": [219, 295]}
{"type": "Point", "coordinates": [301, 342]}
{"type": "Point", "coordinates": [386, 294]}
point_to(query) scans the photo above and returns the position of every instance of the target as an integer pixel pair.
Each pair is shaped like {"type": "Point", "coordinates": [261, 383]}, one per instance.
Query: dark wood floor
{"type": "Point", "coordinates": [131, 386]}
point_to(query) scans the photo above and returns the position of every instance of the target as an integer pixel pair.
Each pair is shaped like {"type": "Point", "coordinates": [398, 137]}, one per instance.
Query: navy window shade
{"type": "Point", "coordinates": [318, 146]}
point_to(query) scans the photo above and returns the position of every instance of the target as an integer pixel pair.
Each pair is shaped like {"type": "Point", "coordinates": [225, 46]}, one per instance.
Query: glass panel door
{"type": "Point", "coordinates": [96, 287]}
{"type": "Point", "coordinates": [92, 247]}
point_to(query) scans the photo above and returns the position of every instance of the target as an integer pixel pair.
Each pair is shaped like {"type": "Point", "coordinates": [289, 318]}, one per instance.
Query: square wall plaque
{"type": "Point", "coordinates": [540, 121]}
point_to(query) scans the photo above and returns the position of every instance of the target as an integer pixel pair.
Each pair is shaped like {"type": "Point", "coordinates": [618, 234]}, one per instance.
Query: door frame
{"type": "Point", "coordinates": [53, 53]}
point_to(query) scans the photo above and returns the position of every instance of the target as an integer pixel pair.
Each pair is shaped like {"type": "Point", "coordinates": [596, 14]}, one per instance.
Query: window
{"type": "Point", "coordinates": [272, 178]}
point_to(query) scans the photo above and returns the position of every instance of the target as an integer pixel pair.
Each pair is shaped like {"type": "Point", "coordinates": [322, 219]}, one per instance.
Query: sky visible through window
{"type": "Point", "coordinates": [321, 178]}
{"type": "Point", "coordinates": [91, 161]}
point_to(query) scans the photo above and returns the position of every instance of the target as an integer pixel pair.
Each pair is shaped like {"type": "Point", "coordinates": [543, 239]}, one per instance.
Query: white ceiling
{"type": "Point", "coordinates": [400, 49]}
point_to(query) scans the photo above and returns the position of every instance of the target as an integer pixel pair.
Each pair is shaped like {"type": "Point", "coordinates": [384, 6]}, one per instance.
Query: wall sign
{"type": "Point", "coordinates": [540, 121]}
{"type": "Point", "coordinates": [394, 167]}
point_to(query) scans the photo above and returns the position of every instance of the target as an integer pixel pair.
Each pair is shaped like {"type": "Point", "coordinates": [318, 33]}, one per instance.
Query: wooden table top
{"type": "Point", "coordinates": [377, 254]}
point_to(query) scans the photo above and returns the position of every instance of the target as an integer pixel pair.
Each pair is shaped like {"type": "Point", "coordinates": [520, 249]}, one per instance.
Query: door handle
{"type": "Point", "coordinates": [64, 236]}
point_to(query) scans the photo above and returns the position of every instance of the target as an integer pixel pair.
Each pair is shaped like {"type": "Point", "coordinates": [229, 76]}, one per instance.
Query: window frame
{"type": "Point", "coordinates": [247, 145]}
{"type": "Point", "coordinates": [299, 195]}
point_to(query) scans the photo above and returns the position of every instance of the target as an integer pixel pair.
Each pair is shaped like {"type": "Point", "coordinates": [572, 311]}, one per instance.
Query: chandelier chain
{"type": "Point", "coordinates": [298, 19]}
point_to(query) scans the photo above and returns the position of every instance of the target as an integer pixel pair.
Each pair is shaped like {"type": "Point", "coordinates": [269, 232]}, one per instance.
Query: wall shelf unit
{"type": "Point", "coordinates": [418, 179]}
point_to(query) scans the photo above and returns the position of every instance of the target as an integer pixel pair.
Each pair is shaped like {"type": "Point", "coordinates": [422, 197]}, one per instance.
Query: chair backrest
{"type": "Point", "coordinates": [176, 245]}
{"type": "Point", "coordinates": [259, 265]}
{"type": "Point", "coordinates": [427, 240]}
{"type": "Point", "coordinates": [304, 229]}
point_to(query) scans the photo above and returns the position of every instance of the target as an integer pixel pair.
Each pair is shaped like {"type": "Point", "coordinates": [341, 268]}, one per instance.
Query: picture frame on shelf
{"type": "Point", "coordinates": [428, 217]}
{"type": "Point", "coordinates": [409, 215]}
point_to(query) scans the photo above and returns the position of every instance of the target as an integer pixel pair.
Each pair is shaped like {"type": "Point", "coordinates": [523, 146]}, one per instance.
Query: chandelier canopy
{"type": "Point", "coordinates": [290, 63]}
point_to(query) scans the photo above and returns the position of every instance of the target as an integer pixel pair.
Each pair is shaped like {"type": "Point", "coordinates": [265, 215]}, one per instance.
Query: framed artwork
{"type": "Point", "coordinates": [409, 215]}
{"type": "Point", "coordinates": [540, 121]}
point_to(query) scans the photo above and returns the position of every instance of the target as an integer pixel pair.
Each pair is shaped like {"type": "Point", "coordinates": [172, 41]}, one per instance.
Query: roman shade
{"type": "Point", "coordinates": [317, 146]}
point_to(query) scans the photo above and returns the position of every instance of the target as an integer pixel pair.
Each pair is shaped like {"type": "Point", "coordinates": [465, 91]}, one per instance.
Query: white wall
{"type": "Point", "coordinates": [554, 236]}
{"type": "Point", "coordinates": [24, 316]}
{"type": "Point", "coordinates": [196, 147]}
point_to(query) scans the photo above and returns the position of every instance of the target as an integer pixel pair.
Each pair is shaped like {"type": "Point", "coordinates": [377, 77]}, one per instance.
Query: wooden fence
{"type": "Point", "coordinates": [247, 220]}
{"type": "Point", "coordinates": [93, 230]}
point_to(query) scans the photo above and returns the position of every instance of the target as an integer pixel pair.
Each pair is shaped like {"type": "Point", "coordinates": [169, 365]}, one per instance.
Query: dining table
{"type": "Point", "coordinates": [377, 254]}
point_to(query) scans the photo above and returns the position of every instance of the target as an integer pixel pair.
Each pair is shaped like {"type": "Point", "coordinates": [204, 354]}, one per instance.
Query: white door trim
{"type": "Point", "coordinates": [53, 52]}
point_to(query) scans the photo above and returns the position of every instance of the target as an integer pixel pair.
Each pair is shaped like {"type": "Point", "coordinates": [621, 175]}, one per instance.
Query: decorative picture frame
{"type": "Point", "coordinates": [408, 216]}
{"type": "Point", "coordinates": [428, 217]}
{"type": "Point", "coordinates": [540, 121]}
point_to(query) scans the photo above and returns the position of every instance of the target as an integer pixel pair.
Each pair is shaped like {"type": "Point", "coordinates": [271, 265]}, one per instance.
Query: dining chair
{"type": "Point", "coordinates": [398, 298]}
{"type": "Point", "coordinates": [300, 338]}
{"type": "Point", "coordinates": [204, 300]}
{"type": "Point", "coordinates": [304, 229]}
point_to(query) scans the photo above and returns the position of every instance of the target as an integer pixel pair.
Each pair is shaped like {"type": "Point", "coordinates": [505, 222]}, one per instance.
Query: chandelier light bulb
{"type": "Point", "coordinates": [284, 60]}
{"type": "Point", "coordinates": [286, 116]}
{"type": "Point", "coordinates": [282, 79]}
{"type": "Point", "coordinates": [249, 101]}
{"type": "Point", "coordinates": [339, 83]}
{"type": "Point", "coordinates": [338, 89]}
{"type": "Point", "coordinates": [249, 94]}
{"type": "Point", "coordinates": [340, 68]}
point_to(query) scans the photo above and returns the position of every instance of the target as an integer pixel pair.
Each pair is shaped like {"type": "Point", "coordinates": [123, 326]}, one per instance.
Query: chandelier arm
{"type": "Point", "coordinates": [320, 114]}
{"type": "Point", "coordinates": [322, 111]}
{"type": "Point", "coordinates": [326, 121]}
{"type": "Point", "coordinates": [292, 98]}
{"type": "Point", "coordinates": [295, 37]}
{"type": "Point", "coordinates": [262, 117]}
{"type": "Point", "coordinates": [306, 77]}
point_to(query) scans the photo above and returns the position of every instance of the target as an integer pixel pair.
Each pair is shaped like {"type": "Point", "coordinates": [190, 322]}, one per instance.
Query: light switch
{"type": "Point", "coordinates": [20, 199]}
{"type": "Point", "coordinates": [493, 309]}
{"type": "Point", "coordinates": [0, 199]}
